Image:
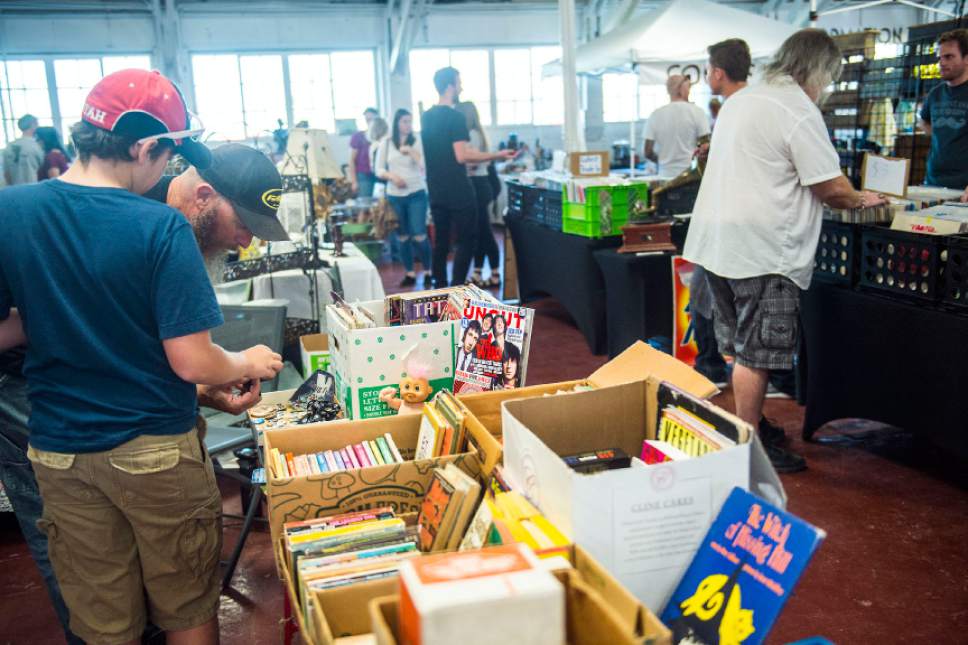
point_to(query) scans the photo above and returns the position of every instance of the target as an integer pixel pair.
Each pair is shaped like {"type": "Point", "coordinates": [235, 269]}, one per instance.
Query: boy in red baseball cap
{"type": "Point", "coordinates": [117, 308]}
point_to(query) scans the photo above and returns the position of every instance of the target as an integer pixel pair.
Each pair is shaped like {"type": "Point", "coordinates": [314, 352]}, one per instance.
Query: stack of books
{"type": "Point", "coordinates": [341, 550]}
{"type": "Point", "coordinates": [442, 427]}
{"type": "Point", "coordinates": [684, 435]}
{"type": "Point", "coordinates": [447, 509]}
{"type": "Point", "coordinates": [377, 452]}
{"type": "Point", "coordinates": [496, 595]}
{"type": "Point", "coordinates": [508, 518]}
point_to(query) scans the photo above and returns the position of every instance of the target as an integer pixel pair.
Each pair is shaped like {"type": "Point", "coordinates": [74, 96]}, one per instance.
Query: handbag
{"type": "Point", "coordinates": [493, 180]}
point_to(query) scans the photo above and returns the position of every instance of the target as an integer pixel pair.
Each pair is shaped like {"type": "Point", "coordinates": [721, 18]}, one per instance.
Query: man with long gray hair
{"type": "Point", "coordinates": [756, 221]}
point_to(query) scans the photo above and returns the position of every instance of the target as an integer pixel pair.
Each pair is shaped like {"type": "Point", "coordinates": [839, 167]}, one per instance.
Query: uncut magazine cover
{"type": "Point", "coordinates": [492, 346]}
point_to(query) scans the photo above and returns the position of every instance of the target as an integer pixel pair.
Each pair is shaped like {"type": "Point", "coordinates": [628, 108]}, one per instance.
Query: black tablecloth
{"type": "Point", "coordinates": [875, 358]}
{"type": "Point", "coordinates": [562, 266]}
{"type": "Point", "coordinates": [638, 295]}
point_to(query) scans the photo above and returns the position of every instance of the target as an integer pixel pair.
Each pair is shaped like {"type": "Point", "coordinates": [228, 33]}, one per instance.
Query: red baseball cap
{"type": "Point", "coordinates": [146, 105]}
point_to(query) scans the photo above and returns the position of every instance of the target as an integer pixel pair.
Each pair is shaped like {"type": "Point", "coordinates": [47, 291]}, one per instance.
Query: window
{"type": "Point", "coordinates": [549, 103]}
{"type": "Point", "coordinates": [76, 76]}
{"type": "Point", "coordinates": [242, 96]}
{"type": "Point", "coordinates": [619, 97]}
{"type": "Point", "coordinates": [23, 90]}
{"type": "Point", "coordinates": [651, 98]}
{"type": "Point", "coordinates": [475, 75]}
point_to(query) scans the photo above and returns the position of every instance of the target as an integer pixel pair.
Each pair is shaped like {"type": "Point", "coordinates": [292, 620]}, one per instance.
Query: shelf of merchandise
{"type": "Point", "coordinates": [918, 74]}
{"type": "Point", "coordinates": [845, 111]}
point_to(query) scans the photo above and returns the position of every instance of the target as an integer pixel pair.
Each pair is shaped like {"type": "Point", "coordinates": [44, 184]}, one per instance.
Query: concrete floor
{"type": "Point", "coordinates": [892, 570]}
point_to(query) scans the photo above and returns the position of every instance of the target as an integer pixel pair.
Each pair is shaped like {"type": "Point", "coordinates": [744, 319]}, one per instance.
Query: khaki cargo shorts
{"type": "Point", "coordinates": [134, 533]}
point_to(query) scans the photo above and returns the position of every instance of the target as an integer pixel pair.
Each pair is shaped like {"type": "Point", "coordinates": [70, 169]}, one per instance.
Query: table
{"type": "Point", "coordinates": [871, 357]}
{"type": "Point", "coordinates": [638, 297]}
{"type": "Point", "coordinates": [359, 276]}
{"type": "Point", "coordinates": [562, 266]}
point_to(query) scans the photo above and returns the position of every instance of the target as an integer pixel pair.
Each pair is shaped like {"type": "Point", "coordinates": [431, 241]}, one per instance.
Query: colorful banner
{"type": "Point", "coordinates": [684, 345]}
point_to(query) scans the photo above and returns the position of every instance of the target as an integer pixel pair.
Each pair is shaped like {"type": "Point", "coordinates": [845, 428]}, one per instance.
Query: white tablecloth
{"type": "Point", "coordinates": [360, 278]}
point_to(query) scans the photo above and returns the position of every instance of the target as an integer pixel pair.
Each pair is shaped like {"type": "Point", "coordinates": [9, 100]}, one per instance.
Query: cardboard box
{"type": "Point", "coordinates": [402, 486]}
{"type": "Point", "coordinates": [589, 620]}
{"type": "Point", "coordinates": [642, 523]}
{"type": "Point", "coordinates": [364, 361]}
{"type": "Point", "coordinates": [636, 363]}
{"type": "Point", "coordinates": [588, 164]}
{"type": "Point", "coordinates": [314, 350]}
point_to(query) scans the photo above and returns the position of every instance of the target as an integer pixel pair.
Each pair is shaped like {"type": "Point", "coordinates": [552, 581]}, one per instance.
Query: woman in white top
{"type": "Point", "coordinates": [399, 161]}
{"type": "Point", "coordinates": [482, 189]}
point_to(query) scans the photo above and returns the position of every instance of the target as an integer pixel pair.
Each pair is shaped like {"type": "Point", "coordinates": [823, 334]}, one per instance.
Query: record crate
{"type": "Point", "coordinates": [955, 257]}
{"type": "Point", "coordinates": [549, 207]}
{"type": "Point", "coordinates": [836, 259]}
{"type": "Point", "coordinates": [906, 265]}
{"type": "Point", "coordinates": [520, 198]}
{"type": "Point", "coordinates": [605, 211]}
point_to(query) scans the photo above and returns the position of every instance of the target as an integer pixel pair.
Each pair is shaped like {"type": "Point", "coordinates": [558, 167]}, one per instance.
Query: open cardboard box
{"type": "Point", "coordinates": [637, 362]}
{"type": "Point", "coordinates": [339, 616]}
{"type": "Point", "coordinates": [364, 361]}
{"type": "Point", "coordinates": [643, 523]}
{"type": "Point", "coordinates": [402, 486]}
{"type": "Point", "coordinates": [314, 351]}
{"type": "Point", "coordinates": [591, 617]}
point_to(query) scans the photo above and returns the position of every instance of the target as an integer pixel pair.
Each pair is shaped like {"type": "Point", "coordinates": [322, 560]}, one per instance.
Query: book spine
{"type": "Point", "coordinates": [311, 462]}
{"type": "Point", "coordinates": [426, 438]}
{"type": "Point", "coordinates": [361, 456]}
{"type": "Point", "coordinates": [339, 460]}
{"type": "Point", "coordinates": [381, 443]}
{"type": "Point", "coordinates": [375, 449]}
{"type": "Point", "coordinates": [369, 453]}
{"type": "Point", "coordinates": [302, 465]}
{"type": "Point", "coordinates": [321, 462]}
{"type": "Point", "coordinates": [393, 448]}
{"type": "Point", "coordinates": [290, 464]}
{"type": "Point", "coordinates": [330, 460]}
{"type": "Point", "coordinates": [348, 458]}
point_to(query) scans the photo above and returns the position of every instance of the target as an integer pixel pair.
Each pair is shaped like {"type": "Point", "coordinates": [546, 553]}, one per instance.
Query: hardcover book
{"type": "Point", "coordinates": [742, 574]}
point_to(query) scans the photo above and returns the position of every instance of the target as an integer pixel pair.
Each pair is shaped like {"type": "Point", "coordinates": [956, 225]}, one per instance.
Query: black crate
{"type": "Point", "coordinates": [906, 265]}
{"type": "Point", "coordinates": [517, 196]}
{"type": "Point", "coordinates": [550, 208]}
{"type": "Point", "coordinates": [836, 259]}
{"type": "Point", "coordinates": [955, 281]}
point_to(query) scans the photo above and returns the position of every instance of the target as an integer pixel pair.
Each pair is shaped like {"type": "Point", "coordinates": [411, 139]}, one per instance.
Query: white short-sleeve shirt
{"type": "Point", "coordinates": [390, 159]}
{"type": "Point", "coordinates": [675, 129]}
{"type": "Point", "coordinates": [755, 214]}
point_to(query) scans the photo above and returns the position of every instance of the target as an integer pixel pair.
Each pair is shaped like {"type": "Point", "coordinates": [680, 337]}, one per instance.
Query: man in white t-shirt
{"type": "Point", "coordinates": [756, 221]}
{"type": "Point", "coordinates": [675, 129]}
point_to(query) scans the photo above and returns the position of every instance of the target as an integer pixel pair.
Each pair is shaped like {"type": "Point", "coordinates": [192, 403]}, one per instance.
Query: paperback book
{"type": "Point", "coordinates": [742, 574]}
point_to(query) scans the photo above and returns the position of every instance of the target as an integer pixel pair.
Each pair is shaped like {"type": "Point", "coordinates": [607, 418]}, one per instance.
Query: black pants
{"type": "Point", "coordinates": [486, 246]}
{"type": "Point", "coordinates": [463, 220]}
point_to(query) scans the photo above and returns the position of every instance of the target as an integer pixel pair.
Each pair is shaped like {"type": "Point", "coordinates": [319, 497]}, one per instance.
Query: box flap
{"type": "Point", "coordinates": [763, 478]}
{"type": "Point", "coordinates": [640, 361]}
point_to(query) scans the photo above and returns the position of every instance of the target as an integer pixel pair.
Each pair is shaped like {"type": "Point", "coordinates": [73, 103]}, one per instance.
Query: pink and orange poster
{"type": "Point", "coordinates": [684, 345]}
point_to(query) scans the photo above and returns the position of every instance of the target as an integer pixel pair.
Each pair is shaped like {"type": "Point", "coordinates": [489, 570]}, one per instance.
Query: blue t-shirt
{"type": "Point", "coordinates": [101, 276]}
{"type": "Point", "coordinates": [946, 109]}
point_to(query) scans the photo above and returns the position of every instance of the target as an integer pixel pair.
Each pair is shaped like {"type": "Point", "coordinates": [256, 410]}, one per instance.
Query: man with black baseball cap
{"type": "Point", "coordinates": [235, 198]}
{"type": "Point", "coordinates": [116, 305]}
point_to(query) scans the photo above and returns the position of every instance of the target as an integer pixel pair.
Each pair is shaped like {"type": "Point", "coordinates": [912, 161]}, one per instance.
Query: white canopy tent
{"type": "Point", "coordinates": [676, 35]}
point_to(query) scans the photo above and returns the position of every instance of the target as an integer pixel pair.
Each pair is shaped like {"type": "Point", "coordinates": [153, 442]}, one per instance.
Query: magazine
{"type": "Point", "coordinates": [492, 347]}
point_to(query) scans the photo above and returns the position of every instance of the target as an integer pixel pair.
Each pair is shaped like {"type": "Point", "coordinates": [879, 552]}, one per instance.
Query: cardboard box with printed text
{"type": "Point", "coordinates": [643, 523]}
{"type": "Point", "coordinates": [314, 351]}
{"type": "Point", "coordinates": [364, 361]}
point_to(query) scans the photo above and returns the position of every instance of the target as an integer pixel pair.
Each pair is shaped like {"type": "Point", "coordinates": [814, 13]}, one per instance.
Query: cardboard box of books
{"type": "Point", "coordinates": [636, 363]}
{"type": "Point", "coordinates": [367, 360]}
{"type": "Point", "coordinates": [642, 521]}
{"type": "Point", "coordinates": [590, 619]}
{"type": "Point", "coordinates": [314, 350]}
{"type": "Point", "coordinates": [401, 485]}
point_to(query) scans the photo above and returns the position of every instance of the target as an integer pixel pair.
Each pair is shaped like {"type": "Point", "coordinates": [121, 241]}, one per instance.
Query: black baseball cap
{"type": "Point", "coordinates": [249, 180]}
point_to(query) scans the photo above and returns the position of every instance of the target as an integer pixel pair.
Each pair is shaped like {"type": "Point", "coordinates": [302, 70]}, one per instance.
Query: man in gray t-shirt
{"type": "Point", "coordinates": [23, 157]}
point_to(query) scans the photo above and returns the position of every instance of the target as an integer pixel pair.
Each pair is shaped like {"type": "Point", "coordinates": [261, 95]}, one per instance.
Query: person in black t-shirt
{"type": "Point", "coordinates": [452, 202]}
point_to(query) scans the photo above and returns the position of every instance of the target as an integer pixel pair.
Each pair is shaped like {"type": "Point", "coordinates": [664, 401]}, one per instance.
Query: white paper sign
{"type": "Point", "coordinates": [590, 165]}
{"type": "Point", "coordinates": [885, 175]}
{"type": "Point", "coordinates": [656, 535]}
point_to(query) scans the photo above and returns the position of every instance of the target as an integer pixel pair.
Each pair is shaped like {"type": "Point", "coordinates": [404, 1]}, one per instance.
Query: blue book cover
{"type": "Point", "coordinates": [742, 574]}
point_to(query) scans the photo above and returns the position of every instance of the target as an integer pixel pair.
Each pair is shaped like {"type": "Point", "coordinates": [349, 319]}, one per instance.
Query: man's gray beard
{"type": "Point", "coordinates": [204, 225]}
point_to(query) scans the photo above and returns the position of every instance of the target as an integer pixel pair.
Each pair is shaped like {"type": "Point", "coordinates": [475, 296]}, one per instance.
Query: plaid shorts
{"type": "Point", "coordinates": [756, 319]}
